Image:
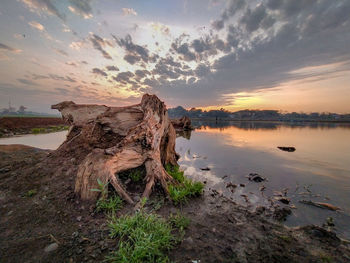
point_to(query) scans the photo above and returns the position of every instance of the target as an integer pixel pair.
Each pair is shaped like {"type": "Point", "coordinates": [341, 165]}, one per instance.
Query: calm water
{"type": "Point", "coordinates": [320, 164]}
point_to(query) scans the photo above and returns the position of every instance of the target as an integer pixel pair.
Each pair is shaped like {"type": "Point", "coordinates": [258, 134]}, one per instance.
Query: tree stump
{"type": "Point", "coordinates": [117, 139]}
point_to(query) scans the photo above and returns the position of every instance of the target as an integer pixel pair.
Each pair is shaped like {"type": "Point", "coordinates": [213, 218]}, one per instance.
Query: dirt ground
{"type": "Point", "coordinates": [38, 208]}
{"type": "Point", "coordinates": [21, 125]}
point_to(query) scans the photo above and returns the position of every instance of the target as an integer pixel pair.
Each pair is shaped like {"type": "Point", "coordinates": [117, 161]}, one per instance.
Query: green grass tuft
{"type": "Point", "coordinates": [142, 238]}
{"type": "Point", "coordinates": [185, 188]}
{"type": "Point", "coordinates": [110, 205]}
{"type": "Point", "coordinates": [31, 193]}
{"type": "Point", "coordinates": [179, 221]}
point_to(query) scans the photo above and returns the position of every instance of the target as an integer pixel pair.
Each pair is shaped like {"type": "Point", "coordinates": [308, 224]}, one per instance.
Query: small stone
{"type": "Point", "coordinates": [79, 218]}
{"type": "Point", "coordinates": [136, 198]}
{"type": "Point", "coordinates": [51, 247]}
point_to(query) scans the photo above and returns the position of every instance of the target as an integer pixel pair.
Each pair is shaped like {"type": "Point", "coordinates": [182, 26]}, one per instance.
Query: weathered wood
{"type": "Point", "coordinates": [119, 139]}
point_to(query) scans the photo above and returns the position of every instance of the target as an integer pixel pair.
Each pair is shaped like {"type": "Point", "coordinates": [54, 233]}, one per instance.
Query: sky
{"type": "Point", "coordinates": [272, 54]}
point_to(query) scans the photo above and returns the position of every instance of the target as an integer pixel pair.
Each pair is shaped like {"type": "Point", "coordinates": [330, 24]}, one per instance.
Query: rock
{"type": "Point", "coordinates": [256, 178]}
{"type": "Point", "coordinates": [284, 200]}
{"type": "Point", "coordinates": [51, 247]}
{"type": "Point", "coordinates": [280, 214]}
{"type": "Point", "coordinates": [4, 170]}
{"type": "Point", "coordinates": [136, 198]}
{"type": "Point", "coordinates": [286, 149]}
{"type": "Point", "coordinates": [79, 218]}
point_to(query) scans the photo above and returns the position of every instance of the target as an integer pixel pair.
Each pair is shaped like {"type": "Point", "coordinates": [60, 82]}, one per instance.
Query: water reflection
{"type": "Point", "coordinates": [232, 150]}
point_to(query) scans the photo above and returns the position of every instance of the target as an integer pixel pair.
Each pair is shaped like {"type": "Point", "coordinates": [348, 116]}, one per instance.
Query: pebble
{"type": "Point", "coordinates": [51, 247]}
{"type": "Point", "coordinates": [4, 170]}
{"type": "Point", "coordinates": [79, 218]}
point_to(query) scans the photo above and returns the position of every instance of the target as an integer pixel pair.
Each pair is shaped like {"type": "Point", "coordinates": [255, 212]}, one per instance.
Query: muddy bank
{"type": "Point", "coordinates": [38, 209]}
{"type": "Point", "coordinates": [10, 126]}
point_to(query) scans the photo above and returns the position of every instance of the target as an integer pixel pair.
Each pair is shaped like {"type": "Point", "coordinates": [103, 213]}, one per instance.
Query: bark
{"type": "Point", "coordinates": [116, 139]}
{"type": "Point", "coordinates": [182, 124]}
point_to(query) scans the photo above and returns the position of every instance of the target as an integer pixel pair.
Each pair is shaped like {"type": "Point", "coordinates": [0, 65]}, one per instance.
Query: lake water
{"type": "Point", "coordinates": [319, 169]}
{"type": "Point", "coordinates": [320, 165]}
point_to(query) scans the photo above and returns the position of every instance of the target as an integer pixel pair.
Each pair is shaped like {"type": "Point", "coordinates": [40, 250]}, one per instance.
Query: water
{"type": "Point", "coordinates": [320, 164]}
{"type": "Point", "coordinates": [49, 141]}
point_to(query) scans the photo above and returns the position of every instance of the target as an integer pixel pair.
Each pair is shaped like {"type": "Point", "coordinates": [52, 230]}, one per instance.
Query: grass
{"type": "Point", "coordinates": [49, 129]}
{"type": "Point", "coordinates": [109, 205]}
{"type": "Point", "coordinates": [136, 174]}
{"type": "Point", "coordinates": [185, 188]}
{"type": "Point", "coordinates": [31, 193]}
{"type": "Point", "coordinates": [142, 238]}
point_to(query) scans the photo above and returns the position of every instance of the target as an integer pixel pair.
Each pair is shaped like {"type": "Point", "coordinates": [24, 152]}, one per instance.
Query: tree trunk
{"type": "Point", "coordinates": [116, 139]}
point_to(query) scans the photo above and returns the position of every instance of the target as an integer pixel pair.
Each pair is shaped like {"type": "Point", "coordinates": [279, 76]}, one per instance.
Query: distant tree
{"type": "Point", "coordinates": [22, 109]}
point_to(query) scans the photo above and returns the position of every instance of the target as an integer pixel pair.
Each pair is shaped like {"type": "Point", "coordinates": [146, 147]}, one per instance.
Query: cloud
{"type": "Point", "coordinates": [232, 7]}
{"type": "Point", "coordinates": [76, 45]}
{"type": "Point", "coordinates": [124, 77]}
{"type": "Point", "coordinates": [61, 52]}
{"type": "Point", "coordinates": [134, 53]}
{"type": "Point", "coordinates": [27, 82]}
{"type": "Point", "coordinates": [129, 11]}
{"type": "Point", "coordinates": [71, 63]}
{"type": "Point", "coordinates": [112, 68]}
{"type": "Point", "coordinates": [43, 6]}
{"type": "Point", "coordinates": [81, 8]}
{"type": "Point", "coordinates": [98, 71]}
{"type": "Point", "coordinates": [37, 25]}
{"type": "Point", "coordinates": [98, 43]}
{"type": "Point", "coordinates": [252, 19]}
{"type": "Point", "coordinates": [52, 77]}
{"type": "Point", "coordinates": [10, 49]}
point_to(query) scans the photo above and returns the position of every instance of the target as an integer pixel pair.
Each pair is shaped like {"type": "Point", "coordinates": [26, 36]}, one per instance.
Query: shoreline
{"type": "Point", "coordinates": [220, 230]}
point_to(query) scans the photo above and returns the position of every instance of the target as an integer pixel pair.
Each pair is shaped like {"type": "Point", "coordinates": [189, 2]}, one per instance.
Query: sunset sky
{"type": "Point", "coordinates": [289, 55]}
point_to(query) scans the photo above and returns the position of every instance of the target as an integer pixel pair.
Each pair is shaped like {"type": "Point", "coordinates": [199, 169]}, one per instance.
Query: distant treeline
{"type": "Point", "coordinates": [273, 115]}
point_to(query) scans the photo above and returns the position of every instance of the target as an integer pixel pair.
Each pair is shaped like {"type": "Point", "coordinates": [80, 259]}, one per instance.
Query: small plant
{"type": "Point", "coordinates": [110, 205]}
{"type": "Point", "coordinates": [135, 174]}
{"type": "Point", "coordinates": [102, 188]}
{"type": "Point", "coordinates": [184, 188]}
{"type": "Point", "coordinates": [180, 222]}
{"type": "Point", "coordinates": [38, 130]}
{"type": "Point", "coordinates": [31, 193]}
{"type": "Point", "coordinates": [142, 238]}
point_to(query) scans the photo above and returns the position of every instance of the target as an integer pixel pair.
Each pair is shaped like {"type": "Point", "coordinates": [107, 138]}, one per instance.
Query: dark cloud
{"type": "Point", "coordinates": [184, 50]}
{"type": "Point", "coordinates": [44, 6]}
{"type": "Point", "coordinates": [82, 7]}
{"type": "Point", "coordinates": [253, 18]}
{"type": "Point", "coordinates": [134, 53]}
{"type": "Point", "coordinates": [317, 34]}
{"type": "Point", "coordinates": [124, 77]}
{"type": "Point", "coordinates": [112, 68]}
{"type": "Point", "coordinates": [98, 43]}
{"type": "Point", "coordinates": [61, 52]}
{"type": "Point", "coordinates": [142, 73]}
{"type": "Point", "coordinates": [8, 48]}
{"type": "Point", "coordinates": [231, 9]}
{"type": "Point", "coordinates": [99, 72]}
{"type": "Point", "coordinates": [202, 70]}
{"type": "Point", "coordinates": [27, 82]}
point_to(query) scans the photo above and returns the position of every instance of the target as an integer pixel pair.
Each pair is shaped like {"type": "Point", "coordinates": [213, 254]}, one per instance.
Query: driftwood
{"type": "Point", "coordinates": [320, 205]}
{"type": "Point", "coordinates": [182, 124]}
{"type": "Point", "coordinates": [117, 139]}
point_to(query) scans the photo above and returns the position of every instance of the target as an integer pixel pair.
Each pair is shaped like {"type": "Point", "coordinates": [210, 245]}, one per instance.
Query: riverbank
{"type": "Point", "coordinates": [12, 126]}
{"type": "Point", "coordinates": [39, 209]}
